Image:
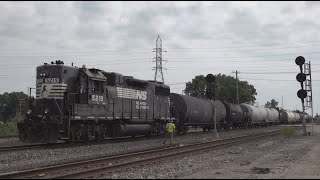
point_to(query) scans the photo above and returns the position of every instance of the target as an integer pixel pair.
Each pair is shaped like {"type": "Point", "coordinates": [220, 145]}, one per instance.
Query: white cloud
{"type": "Point", "coordinates": [202, 29]}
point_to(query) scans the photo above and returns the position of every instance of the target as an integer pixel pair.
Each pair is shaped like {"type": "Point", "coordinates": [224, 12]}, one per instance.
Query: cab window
{"type": "Point", "coordinates": [97, 87]}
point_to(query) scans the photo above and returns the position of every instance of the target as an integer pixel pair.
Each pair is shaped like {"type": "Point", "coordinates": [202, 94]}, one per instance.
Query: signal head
{"type": "Point", "coordinates": [300, 60]}
{"type": "Point", "coordinates": [301, 77]}
{"type": "Point", "coordinates": [302, 93]}
{"type": "Point", "coordinates": [210, 78]}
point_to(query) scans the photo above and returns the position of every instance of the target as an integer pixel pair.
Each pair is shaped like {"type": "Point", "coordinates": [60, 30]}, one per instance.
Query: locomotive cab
{"type": "Point", "coordinates": [53, 84]}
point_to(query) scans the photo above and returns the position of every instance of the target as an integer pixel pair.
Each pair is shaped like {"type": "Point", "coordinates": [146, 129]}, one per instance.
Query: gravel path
{"type": "Point", "coordinates": [275, 157]}
{"type": "Point", "coordinates": [11, 161]}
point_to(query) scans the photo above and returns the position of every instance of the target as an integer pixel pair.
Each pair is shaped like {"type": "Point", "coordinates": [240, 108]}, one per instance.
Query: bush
{"type": "Point", "coordinates": [289, 132]}
{"type": "Point", "coordinates": [8, 129]}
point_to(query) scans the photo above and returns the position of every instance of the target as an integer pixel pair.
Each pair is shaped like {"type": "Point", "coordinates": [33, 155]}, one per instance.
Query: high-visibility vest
{"type": "Point", "coordinates": [170, 127]}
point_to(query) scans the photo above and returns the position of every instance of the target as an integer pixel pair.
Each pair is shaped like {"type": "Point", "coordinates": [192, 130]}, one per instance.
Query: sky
{"type": "Point", "coordinates": [258, 39]}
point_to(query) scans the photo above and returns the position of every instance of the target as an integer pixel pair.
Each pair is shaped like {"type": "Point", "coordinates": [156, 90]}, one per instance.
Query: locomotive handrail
{"type": "Point", "coordinates": [58, 106]}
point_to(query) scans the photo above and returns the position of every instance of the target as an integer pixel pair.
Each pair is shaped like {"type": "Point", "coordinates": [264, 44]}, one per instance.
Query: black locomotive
{"type": "Point", "coordinates": [77, 104]}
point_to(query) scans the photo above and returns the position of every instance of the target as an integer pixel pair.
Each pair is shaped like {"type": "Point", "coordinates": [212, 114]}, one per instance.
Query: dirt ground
{"type": "Point", "coordinates": [294, 158]}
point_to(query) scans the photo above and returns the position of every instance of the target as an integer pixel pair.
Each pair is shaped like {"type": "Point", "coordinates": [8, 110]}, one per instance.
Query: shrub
{"type": "Point", "coordinates": [289, 132]}
{"type": "Point", "coordinates": [8, 129]}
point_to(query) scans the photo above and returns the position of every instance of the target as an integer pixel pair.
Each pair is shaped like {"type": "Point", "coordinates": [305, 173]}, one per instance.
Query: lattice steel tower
{"type": "Point", "coordinates": [158, 76]}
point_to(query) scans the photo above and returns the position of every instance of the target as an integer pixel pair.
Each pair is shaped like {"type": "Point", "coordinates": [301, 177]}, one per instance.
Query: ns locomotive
{"type": "Point", "coordinates": [76, 104]}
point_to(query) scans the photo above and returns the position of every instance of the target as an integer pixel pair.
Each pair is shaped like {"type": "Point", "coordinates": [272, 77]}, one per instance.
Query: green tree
{"type": "Point", "coordinates": [272, 104]}
{"type": "Point", "coordinates": [225, 89]}
{"type": "Point", "coordinates": [11, 104]}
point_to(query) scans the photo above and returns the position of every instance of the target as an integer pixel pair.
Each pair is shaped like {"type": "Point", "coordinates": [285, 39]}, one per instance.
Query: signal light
{"type": "Point", "coordinates": [302, 93]}
{"type": "Point", "coordinates": [300, 60]}
{"type": "Point", "coordinates": [210, 78]}
{"type": "Point", "coordinates": [301, 77]}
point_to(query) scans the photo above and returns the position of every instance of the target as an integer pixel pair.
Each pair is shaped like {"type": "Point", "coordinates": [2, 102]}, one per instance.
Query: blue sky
{"type": "Point", "coordinates": [259, 39]}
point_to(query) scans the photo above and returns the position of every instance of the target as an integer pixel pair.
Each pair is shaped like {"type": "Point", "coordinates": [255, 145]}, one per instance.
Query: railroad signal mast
{"type": "Point", "coordinates": [211, 93]}
{"type": "Point", "coordinates": [305, 76]}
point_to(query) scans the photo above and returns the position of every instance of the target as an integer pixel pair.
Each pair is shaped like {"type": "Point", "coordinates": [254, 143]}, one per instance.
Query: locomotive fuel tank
{"type": "Point", "coordinates": [190, 110]}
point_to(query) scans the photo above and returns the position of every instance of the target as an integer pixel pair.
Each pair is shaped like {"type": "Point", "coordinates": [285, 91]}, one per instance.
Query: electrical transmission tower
{"type": "Point", "coordinates": [158, 76]}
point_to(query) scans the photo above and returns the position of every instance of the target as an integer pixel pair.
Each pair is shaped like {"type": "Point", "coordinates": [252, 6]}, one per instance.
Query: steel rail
{"type": "Point", "coordinates": [121, 161]}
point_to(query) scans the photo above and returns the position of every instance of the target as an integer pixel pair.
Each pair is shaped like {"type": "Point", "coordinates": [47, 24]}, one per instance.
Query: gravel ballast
{"type": "Point", "coordinates": [11, 161]}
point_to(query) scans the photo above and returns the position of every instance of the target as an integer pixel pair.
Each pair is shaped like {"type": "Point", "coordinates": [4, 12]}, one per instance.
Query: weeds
{"type": "Point", "coordinates": [8, 129]}
{"type": "Point", "coordinates": [289, 132]}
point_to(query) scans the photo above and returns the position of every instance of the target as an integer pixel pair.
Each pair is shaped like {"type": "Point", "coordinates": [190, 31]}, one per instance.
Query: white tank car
{"type": "Point", "coordinates": [273, 115]}
{"type": "Point", "coordinates": [291, 116]}
{"type": "Point", "coordinates": [264, 113]}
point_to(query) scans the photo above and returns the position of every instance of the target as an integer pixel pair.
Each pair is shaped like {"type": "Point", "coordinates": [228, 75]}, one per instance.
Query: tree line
{"type": "Point", "coordinates": [12, 106]}
{"type": "Point", "coordinates": [225, 90]}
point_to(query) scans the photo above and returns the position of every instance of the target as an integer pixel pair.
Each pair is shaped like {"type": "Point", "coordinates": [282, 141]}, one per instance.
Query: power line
{"type": "Point", "coordinates": [146, 51]}
{"type": "Point", "coordinates": [252, 45]}
{"type": "Point", "coordinates": [236, 50]}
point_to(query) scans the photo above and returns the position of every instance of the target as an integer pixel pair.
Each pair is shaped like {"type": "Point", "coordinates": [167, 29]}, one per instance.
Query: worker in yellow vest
{"type": "Point", "coordinates": [170, 127]}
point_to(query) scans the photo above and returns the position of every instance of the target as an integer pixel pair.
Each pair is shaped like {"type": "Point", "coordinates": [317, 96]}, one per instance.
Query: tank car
{"type": "Point", "coordinates": [192, 111]}
{"type": "Point", "coordinates": [273, 116]}
{"type": "Point", "coordinates": [76, 104]}
{"type": "Point", "coordinates": [235, 116]}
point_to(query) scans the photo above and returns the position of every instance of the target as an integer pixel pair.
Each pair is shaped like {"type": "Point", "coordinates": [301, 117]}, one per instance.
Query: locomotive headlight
{"type": "Point", "coordinates": [29, 111]}
{"type": "Point", "coordinates": [46, 111]}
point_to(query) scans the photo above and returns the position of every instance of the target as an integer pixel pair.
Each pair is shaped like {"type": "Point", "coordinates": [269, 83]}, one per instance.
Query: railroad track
{"type": "Point", "coordinates": [81, 143]}
{"type": "Point", "coordinates": [25, 147]}
{"type": "Point", "coordinates": [106, 165]}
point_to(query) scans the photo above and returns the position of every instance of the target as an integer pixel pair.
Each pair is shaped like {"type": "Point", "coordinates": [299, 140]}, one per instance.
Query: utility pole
{"type": "Point", "coordinates": [237, 85]}
{"type": "Point", "coordinates": [21, 102]}
{"type": "Point", "coordinates": [158, 76]}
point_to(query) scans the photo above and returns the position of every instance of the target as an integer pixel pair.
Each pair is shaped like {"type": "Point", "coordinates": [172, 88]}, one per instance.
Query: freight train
{"type": "Point", "coordinates": [84, 104]}
{"type": "Point", "coordinates": [192, 111]}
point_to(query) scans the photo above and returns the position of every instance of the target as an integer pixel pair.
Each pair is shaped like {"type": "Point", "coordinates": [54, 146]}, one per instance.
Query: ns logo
{"type": "Point", "coordinates": [141, 95]}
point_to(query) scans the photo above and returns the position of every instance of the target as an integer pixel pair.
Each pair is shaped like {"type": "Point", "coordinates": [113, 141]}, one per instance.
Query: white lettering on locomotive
{"type": "Point", "coordinates": [142, 95]}
{"type": "Point", "coordinates": [131, 93]}
{"type": "Point", "coordinates": [96, 98]}
{"type": "Point", "coordinates": [141, 105]}
{"type": "Point", "coordinates": [51, 80]}
{"type": "Point", "coordinates": [48, 80]}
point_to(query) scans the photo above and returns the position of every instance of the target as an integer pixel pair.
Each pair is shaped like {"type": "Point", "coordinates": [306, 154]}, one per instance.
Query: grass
{"type": "Point", "coordinates": [289, 132]}
{"type": "Point", "coordinates": [8, 129]}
